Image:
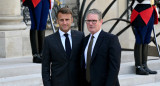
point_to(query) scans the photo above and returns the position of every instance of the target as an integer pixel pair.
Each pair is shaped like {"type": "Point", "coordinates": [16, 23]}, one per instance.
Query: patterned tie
{"type": "Point", "coordinates": [67, 45]}
{"type": "Point", "coordinates": [89, 59]}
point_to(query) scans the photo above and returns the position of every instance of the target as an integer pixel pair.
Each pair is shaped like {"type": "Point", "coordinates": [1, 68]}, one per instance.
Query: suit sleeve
{"type": "Point", "coordinates": [114, 61]}
{"type": "Point", "coordinates": [46, 64]}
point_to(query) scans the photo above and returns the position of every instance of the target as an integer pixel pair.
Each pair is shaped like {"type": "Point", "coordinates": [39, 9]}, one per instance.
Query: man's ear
{"type": "Point", "coordinates": [140, 1]}
{"type": "Point", "coordinates": [101, 20]}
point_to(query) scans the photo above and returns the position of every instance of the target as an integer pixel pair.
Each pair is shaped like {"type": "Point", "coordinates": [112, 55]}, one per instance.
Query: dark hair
{"type": "Point", "coordinates": [64, 10]}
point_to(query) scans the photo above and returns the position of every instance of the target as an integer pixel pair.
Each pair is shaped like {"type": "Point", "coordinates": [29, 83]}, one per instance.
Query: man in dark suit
{"type": "Point", "coordinates": [100, 60]}
{"type": "Point", "coordinates": [61, 54]}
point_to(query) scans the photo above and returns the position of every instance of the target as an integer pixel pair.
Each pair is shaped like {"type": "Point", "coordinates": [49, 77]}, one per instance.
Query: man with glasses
{"type": "Point", "coordinates": [101, 55]}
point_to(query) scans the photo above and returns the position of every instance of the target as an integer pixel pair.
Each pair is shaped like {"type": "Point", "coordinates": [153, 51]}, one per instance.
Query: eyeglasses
{"type": "Point", "coordinates": [93, 21]}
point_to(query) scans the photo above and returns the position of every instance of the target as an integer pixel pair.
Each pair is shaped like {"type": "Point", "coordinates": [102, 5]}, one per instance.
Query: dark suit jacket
{"type": "Point", "coordinates": [105, 61]}
{"type": "Point", "coordinates": [57, 69]}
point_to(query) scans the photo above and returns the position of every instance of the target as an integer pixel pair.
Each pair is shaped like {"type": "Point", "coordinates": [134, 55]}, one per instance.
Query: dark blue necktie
{"type": "Point", "coordinates": [67, 45]}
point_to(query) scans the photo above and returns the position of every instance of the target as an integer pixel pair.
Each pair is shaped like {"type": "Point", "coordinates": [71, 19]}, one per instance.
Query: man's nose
{"type": "Point", "coordinates": [90, 22]}
{"type": "Point", "coordinates": [64, 21]}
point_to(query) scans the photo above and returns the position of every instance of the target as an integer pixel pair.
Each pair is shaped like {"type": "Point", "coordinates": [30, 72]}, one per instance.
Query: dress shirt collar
{"type": "Point", "coordinates": [96, 34]}
{"type": "Point", "coordinates": [62, 33]}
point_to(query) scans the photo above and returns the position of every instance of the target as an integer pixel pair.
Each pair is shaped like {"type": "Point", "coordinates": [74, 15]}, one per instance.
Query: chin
{"type": "Point", "coordinates": [66, 30]}
{"type": "Point", "coordinates": [92, 32]}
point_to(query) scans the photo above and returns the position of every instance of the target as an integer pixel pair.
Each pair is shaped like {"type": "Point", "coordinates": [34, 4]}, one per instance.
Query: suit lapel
{"type": "Point", "coordinates": [73, 41]}
{"type": "Point", "coordinates": [85, 41]}
{"type": "Point", "coordinates": [59, 42]}
{"type": "Point", "coordinates": [97, 45]}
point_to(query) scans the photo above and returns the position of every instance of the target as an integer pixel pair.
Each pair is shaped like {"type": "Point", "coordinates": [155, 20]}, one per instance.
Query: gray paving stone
{"type": "Point", "coordinates": [133, 79]}
{"type": "Point", "coordinates": [150, 84]}
{"type": "Point", "coordinates": [22, 80]}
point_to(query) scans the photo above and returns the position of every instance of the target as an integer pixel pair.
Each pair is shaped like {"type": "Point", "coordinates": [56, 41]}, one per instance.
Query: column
{"type": "Point", "coordinates": [14, 38]}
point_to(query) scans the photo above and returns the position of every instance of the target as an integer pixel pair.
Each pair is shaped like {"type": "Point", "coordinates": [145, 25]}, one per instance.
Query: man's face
{"type": "Point", "coordinates": [64, 21]}
{"type": "Point", "coordinates": [93, 23]}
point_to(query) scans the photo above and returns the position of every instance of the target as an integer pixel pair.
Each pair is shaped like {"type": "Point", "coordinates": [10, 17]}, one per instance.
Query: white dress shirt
{"type": "Point", "coordinates": [63, 38]}
{"type": "Point", "coordinates": [94, 42]}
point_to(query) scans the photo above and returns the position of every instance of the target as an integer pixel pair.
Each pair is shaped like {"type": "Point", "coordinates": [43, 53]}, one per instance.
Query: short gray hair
{"type": "Point", "coordinates": [95, 11]}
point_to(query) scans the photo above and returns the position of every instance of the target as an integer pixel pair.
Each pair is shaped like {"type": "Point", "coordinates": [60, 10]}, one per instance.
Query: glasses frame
{"type": "Point", "coordinates": [93, 21]}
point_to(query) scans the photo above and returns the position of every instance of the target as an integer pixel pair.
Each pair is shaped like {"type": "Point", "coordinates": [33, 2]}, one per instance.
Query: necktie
{"type": "Point", "coordinates": [67, 45]}
{"type": "Point", "coordinates": [89, 59]}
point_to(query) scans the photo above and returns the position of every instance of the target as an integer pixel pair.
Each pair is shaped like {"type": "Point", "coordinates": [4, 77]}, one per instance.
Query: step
{"type": "Point", "coordinates": [133, 79]}
{"type": "Point", "coordinates": [23, 80]}
{"type": "Point", "coordinates": [150, 84]}
{"type": "Point", "coordinates": [18, 66]}
{"type": "Point", "coordinates": [19, 69]}
{"type": "Point", "coordinates": [15, 60]}
{"type": "Point", "coordinates": [128, 56]}
{"type": "Point", "coordinates": [128, 68]}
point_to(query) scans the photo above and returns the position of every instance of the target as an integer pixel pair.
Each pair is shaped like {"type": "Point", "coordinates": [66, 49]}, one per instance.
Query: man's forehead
{"type": "Point", "coordinates": [95, 16]}
{"type": "Point", "coordinates": [64, 16]}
